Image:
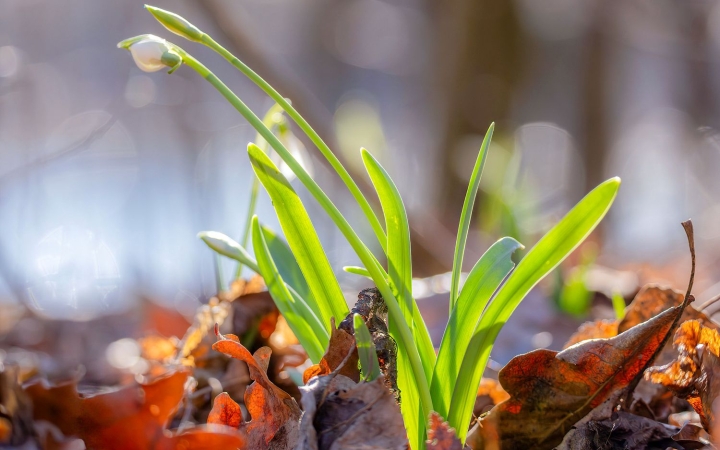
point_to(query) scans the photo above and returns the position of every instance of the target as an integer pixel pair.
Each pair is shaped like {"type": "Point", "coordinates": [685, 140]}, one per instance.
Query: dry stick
{"type": "Point", "coordinates": [709, 303]}
{"type": "Point", "coordinates": [689, 298]}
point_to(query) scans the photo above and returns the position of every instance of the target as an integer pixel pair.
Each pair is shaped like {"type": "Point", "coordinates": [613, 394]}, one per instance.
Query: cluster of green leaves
{"type": "Point", "coordinates": [305, 289]}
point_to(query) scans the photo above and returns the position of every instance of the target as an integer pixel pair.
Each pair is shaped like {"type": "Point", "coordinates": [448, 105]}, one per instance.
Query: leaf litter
{"type": "Point", "coordinates": [207, 389]}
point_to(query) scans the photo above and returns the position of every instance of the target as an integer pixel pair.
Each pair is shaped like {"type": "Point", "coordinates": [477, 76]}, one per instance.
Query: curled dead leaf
{"type": "Point", "coordinates": [695, 374]}
{"type": "Point", "coordinates": [225, 411]}
{"type": "Point", "coordinates": [274, 413]}
{"type": "Point", "coordinates": [341, 414]}
{"type": "Point", "coordinates": [550, 391]}
{"type": "Point", "coordinates": [341, 344]}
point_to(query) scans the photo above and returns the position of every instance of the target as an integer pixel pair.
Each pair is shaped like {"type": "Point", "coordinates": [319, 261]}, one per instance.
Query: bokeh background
{"type": "Point", "coordinates": [108, 173]}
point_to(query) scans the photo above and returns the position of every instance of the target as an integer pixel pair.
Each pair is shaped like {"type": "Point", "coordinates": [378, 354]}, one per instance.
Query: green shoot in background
{"type": "Point", "coordinates": [306, 290]}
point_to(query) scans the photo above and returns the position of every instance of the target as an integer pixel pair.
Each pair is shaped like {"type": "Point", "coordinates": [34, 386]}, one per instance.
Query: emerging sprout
{"type": "Point", "coordinates": [152, 53]}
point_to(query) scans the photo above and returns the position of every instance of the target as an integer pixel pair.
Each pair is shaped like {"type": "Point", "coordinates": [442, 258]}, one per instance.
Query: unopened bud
{"type": "Point", "coordinates": [152, 53]}
{"type": "Point", "coordinates": [177, 24]}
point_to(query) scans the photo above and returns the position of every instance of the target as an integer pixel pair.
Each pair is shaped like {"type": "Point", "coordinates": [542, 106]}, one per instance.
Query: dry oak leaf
{"type": "Point", "coordinates": [440, 435]}
{"type": "Point", "coordinates": [341, 343]}
{"type": "Point", "coordinates": [648, 302]}
{"type": "Point", "coordinates": [274, 413]}
{"type": "Point", "coordinates": [225, 411]}
{"type": "Point", "coordinates": [695, 374]}
{"type": "Point", "coordinates": [131, 418]}
{"type": "Point", "coordinates": [599, 329]}
{"type": "Point", "coordinates": [343, 415]}
{"type": "Point", "coordinates": [550, 391]}
{"type": "Point", "coordinates": [651, 300]}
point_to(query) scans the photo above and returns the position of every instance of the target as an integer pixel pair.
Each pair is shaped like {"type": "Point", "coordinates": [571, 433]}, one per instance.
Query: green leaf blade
{"type": "Point", "coordinates": [399, 256]}
{"type": "Point", "coordinates": [302, 239]}
{"type": "Point", "coordinates": [287, 264]}
{"type": "Point", "coordinates": [482, 282]}
{"type": "Point", "coordinates": [552, 249]}
{"type": "Point", "coordinates": [466, 217]}
{"type": "Point", "coordinates": [300, 317]}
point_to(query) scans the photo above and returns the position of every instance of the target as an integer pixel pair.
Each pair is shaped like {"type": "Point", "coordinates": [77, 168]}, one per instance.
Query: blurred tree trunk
{"type": "Point", "coordinates": [592, 139]}
{"type": "Point", "coordinates": [477, 62]}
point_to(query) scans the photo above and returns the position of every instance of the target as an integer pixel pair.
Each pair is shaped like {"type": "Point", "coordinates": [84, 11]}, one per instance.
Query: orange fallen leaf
{"type": "Point", "coordinates": [550, 391]}
{"type": "Point", "coordinates": [440, 435]}
{"type": "Point", "coordinates": [273, 412]}
{"type": "Point", "coordinates": [131, 418]}
{"type": "Point", "coordinates": [225, 411]}
{"type": "Point", "coordinates": [341, 344]}
{"type": "Point", "coordinates": [203, 438]}
{"type": "Point", "coordinates": [695, 374]}
{"type": "Point", "coordinates": [492, 389]}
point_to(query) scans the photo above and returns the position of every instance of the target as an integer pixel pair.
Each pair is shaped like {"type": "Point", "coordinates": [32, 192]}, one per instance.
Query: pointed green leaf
{"type": "Point", "coordinates": [550, 251]}
{"type": "Point", "coordinates": [399, 256]}
{"type": "Point", "coordinates": [302, 239]}
{"type": "Point", "coordinates": [287, 264]}
{"type": "Point", "coordinates": [300, 317]}
{"type": "Point", "coordinates": [466, 217]}
{"type": "Point", "coordinates": [482, 282]}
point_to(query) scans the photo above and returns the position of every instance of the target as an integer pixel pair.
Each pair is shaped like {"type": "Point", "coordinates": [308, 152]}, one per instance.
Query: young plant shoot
{"type": "Point", "coordinates": [306, 291]}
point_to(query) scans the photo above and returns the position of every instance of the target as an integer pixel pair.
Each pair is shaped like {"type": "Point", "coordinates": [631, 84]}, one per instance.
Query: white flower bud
{"type": "Point", "coordinates": [148, 53]}
{"type": "Point", "coordinates": [152, 53]}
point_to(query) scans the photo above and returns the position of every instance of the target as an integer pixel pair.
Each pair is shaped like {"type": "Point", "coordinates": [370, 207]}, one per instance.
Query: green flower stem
{"type": "Point", "coordinates": [219, 278]}
{"type": "Point", "coordinates": [308, 130]}
{"type": "Point", "coordinates": [368, 259]}
{"type": "Point", "coordinates": [267, 120]}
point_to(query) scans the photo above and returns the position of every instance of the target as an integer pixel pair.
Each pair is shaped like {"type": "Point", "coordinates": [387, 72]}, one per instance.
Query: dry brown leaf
{"type": "Point", "coordinates": [648, 303]}
{"type": "Point", "coordinates": [274, 413]}
{"type": "Point", "coordinates": [225, 411]}
{"type": "Point", "coordinates": [129, 418]}
{"type": "Point", "coordinates": [693, 436]}
{"type": "Point", "coordinates": [341, 344]}
{"type": "Point", "coordinates": [440, 435]}
{"type": "Point", "coordinates": [620, 432]}
{"type": "Point", "coordinates": [695, 374]}
{"type": "Point", "coordinates": [599, 329]}
{"type": "Point", "coordinates": [341, 414]}
{"type": "Point", "coordinates": [490, 393]}
{"type": "Point", "coordinates": [550, 391]}
{"type": "Point", "coordinates": [653, 299]}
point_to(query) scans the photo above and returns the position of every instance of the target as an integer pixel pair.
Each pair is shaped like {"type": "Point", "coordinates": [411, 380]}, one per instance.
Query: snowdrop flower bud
{"type": "Point", "coordinates": [152, 53]}
{"type": "Point", "coordinates": [177, 24]}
